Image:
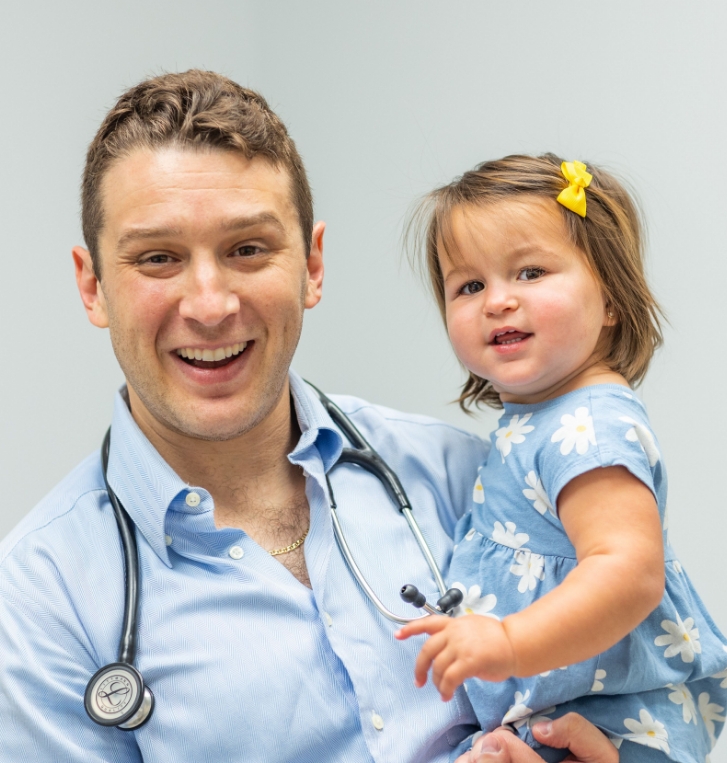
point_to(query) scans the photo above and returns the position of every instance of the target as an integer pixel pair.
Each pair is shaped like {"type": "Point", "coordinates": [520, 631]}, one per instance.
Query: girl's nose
{"type": "Point", "coordinates": [499, 299]}
{"type": "Point", "coordinates": [208, 298]}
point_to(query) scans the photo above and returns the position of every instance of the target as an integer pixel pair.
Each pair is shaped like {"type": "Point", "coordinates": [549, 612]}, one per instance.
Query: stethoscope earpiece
{"type": "Point", "coordinates": [117, 696]}
{"type": "Point", "coordinates": [445, 606]}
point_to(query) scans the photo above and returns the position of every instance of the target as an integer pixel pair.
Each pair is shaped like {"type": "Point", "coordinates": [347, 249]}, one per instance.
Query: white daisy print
{"type": "Point", "coordinates": [710, 712]}
{"type": "Point", "coordinates": [677, 565]}
{"type": "Point", "coordinates": [478, 492]}
{"type": "Point", "coordinates": [529, 568]}
{"type": "Point", "coordinates": [648, 732]}
{"type": "Point", "coordinates": [506, 536]}
{"type": "Point", "coordinates": [536, 493]}
{"type": "Point", "coordinates": [639, 433]}
{"type": "Point", "coordinates": [513, 434]}
{"type": "Point", "coordinates": [598, 680]}
{"type": "Point", "coordinates": [519, 711]}
{"type": "Point", "coordinates": [548, 672]}
{"type": "Point", "coordinates": [680, 638]}
{"type": "Point", "coordinates": [474, 603]}
{"type": "Point", "coordinates": [723, 675]}
{"type": "Point", "coordinates": [470, 533]}
{"type": "Point", "coordinates": [680, 695]}
{"type": "Point", "coordinates": [577, 432]}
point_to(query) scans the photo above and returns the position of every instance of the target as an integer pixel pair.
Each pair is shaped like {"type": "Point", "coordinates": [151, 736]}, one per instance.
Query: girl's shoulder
{"type": "Point", "coordinates": [598, 426]}
{"type": "Point", "coordinates": [599, 404]}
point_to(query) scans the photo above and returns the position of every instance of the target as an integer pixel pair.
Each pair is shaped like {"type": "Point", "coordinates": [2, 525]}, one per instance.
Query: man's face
{"type": "Point", "coordinates": [205, 280]}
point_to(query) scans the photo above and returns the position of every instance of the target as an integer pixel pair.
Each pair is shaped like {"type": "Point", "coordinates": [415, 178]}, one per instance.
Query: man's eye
{"type": "Point", "coordinates": [530, 274]}
{"type": "Point", "coordinates": [248, 250]}
{"type": "Point", "coordinates": [472, 287]}
{"type": "Point", "coordinates": [157, 259]}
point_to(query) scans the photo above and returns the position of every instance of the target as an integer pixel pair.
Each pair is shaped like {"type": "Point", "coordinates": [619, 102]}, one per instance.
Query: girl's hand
{"type": "Point", "coordinates": [473, 646]}
{"type": "Point", "coordinates": [586, 743]}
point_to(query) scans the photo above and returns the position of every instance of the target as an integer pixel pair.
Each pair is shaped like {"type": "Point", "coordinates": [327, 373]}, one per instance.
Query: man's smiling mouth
{"type": "Point", "coordinates": [204, 358]}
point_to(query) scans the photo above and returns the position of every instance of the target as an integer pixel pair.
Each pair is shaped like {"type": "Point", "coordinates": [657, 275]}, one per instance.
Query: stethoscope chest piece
{"type": "Point", "coordinates": [116, 696]}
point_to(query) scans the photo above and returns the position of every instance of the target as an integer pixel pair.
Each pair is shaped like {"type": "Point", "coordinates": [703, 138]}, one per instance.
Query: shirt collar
{"type": "Point", "coordinates": [147, 486]}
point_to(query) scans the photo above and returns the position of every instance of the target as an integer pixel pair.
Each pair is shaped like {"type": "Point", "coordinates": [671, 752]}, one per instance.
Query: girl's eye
{"type": "Point", "coordinates": [530, 274]}
{"type": "Point", "coordinates": [472, 287]}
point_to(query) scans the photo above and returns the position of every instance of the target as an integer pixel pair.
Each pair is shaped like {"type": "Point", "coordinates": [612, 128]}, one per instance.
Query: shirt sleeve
{"type": "Point", "coordinates": [44, 669]}
{"type": "Point", "coordinates": [596, 433]}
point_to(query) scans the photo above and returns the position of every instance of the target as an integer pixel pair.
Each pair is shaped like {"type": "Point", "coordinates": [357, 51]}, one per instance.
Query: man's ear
{"type": "Point", "coordinates": [314, 287]}
{"type": "Point", "coordinates": [89, 287]}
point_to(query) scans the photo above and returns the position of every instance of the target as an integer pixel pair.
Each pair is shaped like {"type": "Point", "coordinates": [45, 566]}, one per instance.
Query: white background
{"type": "Point", "coordinates": [385, 100]}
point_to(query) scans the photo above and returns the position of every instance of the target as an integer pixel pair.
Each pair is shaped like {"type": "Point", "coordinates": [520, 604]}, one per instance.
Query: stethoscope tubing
{"type": "Point", "coordinates": [127, 642]}
{"type": "Point", "coordinates": [363, 455]}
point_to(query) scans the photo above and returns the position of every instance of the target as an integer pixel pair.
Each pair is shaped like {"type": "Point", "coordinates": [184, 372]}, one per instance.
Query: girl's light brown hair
{"type": "Point", "coordinates": [610, 237]}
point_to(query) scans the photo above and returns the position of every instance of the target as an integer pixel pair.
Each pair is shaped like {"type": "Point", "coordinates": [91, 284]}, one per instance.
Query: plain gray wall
{"type": "Point", "coordinates": [385, 101]}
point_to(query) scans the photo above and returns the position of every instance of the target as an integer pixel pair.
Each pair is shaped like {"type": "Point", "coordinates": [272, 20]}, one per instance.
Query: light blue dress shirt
{"type": "Point", "coordinates": [246, 663]}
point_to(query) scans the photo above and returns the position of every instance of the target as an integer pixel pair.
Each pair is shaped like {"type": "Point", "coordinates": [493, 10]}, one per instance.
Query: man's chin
{"type": "Point", "coordinates": [211, 426]}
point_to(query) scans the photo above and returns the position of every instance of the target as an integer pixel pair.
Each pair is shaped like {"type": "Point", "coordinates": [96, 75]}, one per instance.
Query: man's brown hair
{"type": "Point", "coordinates": [610, 237]}
{"type": "Point", "coordinates": [199, 109]}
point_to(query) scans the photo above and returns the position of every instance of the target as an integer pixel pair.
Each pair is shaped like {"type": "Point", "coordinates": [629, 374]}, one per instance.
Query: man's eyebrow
{"type": "Point", "coordinates": [233, 224]}
{"type": "Point", "coordinates": [248, 221]}
{"type": "Point", "coordinates": [142, 234]}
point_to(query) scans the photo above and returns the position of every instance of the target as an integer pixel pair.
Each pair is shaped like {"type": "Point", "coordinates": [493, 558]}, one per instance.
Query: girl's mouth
{"type": "Point", "coordinates": [509, 337]}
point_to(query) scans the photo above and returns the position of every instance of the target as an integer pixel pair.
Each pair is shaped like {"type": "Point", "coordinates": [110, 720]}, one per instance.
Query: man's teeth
{"type": "Point", "coordinates": [210, 355]}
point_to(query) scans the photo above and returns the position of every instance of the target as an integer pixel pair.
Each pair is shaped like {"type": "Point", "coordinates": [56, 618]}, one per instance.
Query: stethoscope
{"type": "Point", "coordinates": [117, 696]}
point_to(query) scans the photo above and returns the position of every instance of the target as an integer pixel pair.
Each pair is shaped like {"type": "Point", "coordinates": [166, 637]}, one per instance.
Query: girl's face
{"type": "Point", "coordinates": [523, 308]}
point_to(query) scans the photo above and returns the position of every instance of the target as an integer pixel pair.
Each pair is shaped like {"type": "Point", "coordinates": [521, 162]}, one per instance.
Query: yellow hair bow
{"type": "Point", "coordinates": [573, 196]}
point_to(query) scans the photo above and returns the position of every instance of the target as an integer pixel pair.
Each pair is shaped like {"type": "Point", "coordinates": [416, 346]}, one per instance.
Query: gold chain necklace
{"type": "Point", "coordinates": [291, 547]}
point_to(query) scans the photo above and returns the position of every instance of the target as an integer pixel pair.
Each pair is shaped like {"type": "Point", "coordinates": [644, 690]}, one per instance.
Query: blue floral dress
{"type": "Point", "coordinates": [660, 693]}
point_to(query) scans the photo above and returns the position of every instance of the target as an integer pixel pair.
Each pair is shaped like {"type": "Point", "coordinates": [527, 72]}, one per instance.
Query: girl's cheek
{"type": "Point", "coordinates": [465, 336]}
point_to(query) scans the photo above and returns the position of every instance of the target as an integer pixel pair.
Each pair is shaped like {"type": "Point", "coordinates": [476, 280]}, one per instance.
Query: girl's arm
{"type": "Point", "coordinates": [612, 519]}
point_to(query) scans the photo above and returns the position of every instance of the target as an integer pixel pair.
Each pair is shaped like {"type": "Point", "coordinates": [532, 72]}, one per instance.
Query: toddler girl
{"type": "Point", "coordinates": [577, 600]}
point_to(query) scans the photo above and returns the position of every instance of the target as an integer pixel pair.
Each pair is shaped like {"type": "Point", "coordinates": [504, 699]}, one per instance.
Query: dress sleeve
{"type": "Point", "coordinates": [595, 432]}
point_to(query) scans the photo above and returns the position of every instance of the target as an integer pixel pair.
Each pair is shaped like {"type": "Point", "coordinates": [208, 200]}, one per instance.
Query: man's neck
{"type": "Point", "coordinates": [254, 486]}
{"type": "Point", "coordinates": [228, 469]}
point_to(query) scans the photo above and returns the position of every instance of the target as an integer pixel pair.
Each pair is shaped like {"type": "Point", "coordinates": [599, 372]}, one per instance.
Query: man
{"type": "Point", "coordinates": [253, 636]}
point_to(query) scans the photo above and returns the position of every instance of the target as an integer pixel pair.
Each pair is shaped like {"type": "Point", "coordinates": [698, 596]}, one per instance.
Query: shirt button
{"type": "Point", "coordinates": [192, 499]}
{"type": "Point", "coordinates": [168, 540]}
{"type": "Point", "coordinates": [377, 721]}
{"type": "Point", "coordinates": [328, 619]}
{"type": "Point", "coordinates": [236, 552]}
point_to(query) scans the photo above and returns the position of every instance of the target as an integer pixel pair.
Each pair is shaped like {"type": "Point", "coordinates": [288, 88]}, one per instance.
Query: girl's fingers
{"type": "Point", "coordinates": [427, 655]}
{"type": "Point", "coordinates": [431, 625]}
{"type": "Point", "coordinates": [452, 677]}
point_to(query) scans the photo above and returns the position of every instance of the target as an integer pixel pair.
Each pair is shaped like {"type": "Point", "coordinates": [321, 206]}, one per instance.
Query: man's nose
{"type": "Point", "coordinates": [208, 297]}
{"type": "Point", "coordinates": [499, 298]}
